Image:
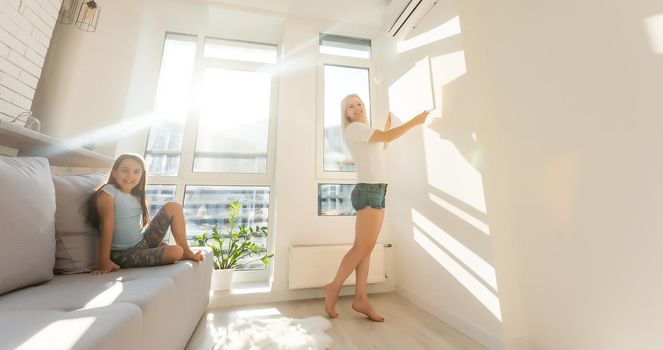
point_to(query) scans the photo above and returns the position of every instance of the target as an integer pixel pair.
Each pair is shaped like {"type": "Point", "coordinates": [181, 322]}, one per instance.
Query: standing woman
{"type": "Point", "coordinates": [368, 198]}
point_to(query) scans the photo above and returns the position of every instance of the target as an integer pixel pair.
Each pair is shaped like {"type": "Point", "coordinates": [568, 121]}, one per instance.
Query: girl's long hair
{"type": "Point", "coordinates": [344, 104]}
{"type": "Point", "coordinates": [138, 191]}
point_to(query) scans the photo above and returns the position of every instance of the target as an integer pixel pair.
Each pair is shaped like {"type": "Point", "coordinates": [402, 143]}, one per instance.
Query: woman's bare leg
{"type": "Point", "coordinates": [361, 277]}
{"type": "Point", "coordinates": [367, 229]}
{"type": "Point", "coordinates": [362, 273]}
{"type": "Point", "coordinates": [178, 227]}
{"type": "Point", "coordinates": [360, 302]}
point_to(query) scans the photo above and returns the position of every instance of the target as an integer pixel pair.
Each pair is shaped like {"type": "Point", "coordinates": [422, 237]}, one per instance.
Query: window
{"type": "Point", "coordinates": [345, 46]}
{"type": "Point", "coordinates": [211, 140]}
{"type": "Point", "coordinates": [205, 206]}
{"type": "Point", "coordinates": [339, 82]}
{"type": "Point", "coordinates": [334, 200]}
{"type": "Point", "coordinates": [240, 50]}
{"type": "Point", "coordinates": [234, 122]}
{"type": "Point", "coordinates": [235, 107]}
{"type": "Point", "coordinates": [164, 144]}
{"type": "Point", "coordinates": [157, 196]}
{"type": "Point", "coordinates": [345, 68]}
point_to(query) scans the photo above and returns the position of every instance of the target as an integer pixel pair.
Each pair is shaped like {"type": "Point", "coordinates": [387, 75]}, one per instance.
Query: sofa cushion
{"type": "Point", "coordinates": [27, 214]}
{"type": "Point", "coordinates": [192, 283]}
{"type": "Point", "coordinates": [77, 243]}
{"type": "Point", "coordinates": [160, 292]}
{"type": "Point", "coordinates": [117, 326]}
{"type": "Point", "coordinates": [84, 291]}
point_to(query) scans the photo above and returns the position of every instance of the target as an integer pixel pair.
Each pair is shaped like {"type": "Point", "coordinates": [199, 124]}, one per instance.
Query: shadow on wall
{"type": "Point", "coordinates": [457, 125]}
{"type": "Point", "coordinates": [440, 218]}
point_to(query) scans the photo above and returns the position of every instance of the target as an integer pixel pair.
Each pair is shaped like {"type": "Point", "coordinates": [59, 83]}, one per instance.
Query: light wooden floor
{"type": "Point", "coordinates": [406, 326]}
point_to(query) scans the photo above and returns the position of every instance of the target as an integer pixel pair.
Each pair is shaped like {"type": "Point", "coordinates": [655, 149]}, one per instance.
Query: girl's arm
{"type": "Point", "coordinates": [106, 209]}
{"type": "Point", "coordinates": [392, 134]}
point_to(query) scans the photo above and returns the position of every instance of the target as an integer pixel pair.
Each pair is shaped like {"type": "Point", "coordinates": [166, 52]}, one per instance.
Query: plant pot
{"type": "Point", "coordinates": [221, 279]}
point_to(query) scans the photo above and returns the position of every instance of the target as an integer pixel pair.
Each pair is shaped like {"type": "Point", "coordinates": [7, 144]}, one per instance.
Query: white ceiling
{"type": "Point", "coordinates": [364, 12]}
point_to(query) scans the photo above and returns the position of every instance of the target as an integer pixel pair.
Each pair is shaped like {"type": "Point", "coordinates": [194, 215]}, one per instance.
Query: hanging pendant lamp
{"type": "Point", "coordinates": [67, 13]}
{"type": "Point", "coordinates": [88, 15]}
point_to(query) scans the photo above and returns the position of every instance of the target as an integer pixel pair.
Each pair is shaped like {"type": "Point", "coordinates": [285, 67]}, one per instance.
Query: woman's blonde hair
{"type": "Point", "coordinates": [344, 104]}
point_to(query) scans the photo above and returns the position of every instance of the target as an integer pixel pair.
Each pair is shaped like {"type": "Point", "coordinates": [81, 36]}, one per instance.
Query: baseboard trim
{"type": "Point", "coordinates": [224, 300]}
{"type": "Point", "coordinates": [461, 325]}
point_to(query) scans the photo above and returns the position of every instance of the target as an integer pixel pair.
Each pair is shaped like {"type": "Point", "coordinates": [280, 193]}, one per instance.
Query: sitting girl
{"type": "Point", "coordinates": [119, 210]}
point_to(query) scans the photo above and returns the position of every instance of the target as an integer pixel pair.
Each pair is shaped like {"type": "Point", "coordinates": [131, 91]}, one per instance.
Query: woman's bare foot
{"type": "Point", "coordinates": [362, 305]}
{"type": "Point", "coordinates": [331, 296]}
{"type": "Point", "coordinates": [190, 255]}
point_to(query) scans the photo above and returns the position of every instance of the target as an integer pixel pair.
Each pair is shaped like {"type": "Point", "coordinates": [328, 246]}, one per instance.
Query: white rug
{"type": "Point", "coordinates": [275, 333]}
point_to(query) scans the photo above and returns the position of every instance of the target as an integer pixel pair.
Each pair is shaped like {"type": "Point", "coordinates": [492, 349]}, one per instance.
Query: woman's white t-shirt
{"type": "Point", "coordinates": [368, 156]}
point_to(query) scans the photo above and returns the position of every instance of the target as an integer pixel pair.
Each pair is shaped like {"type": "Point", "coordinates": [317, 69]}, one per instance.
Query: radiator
{"type": "Point", "coordinates": [316, 265]}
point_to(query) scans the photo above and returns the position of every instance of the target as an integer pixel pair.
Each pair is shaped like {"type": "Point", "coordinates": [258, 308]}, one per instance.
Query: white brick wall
{"type": "Point", "coordinates": [26, 27]}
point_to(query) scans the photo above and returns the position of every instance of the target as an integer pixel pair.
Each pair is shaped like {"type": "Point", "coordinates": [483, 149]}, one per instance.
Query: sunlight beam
{"type": "Point", "coordinates": [299, 57]}
{"type": "Point", "coordinates": [271, 311]}
{"type": "Point", "coordinates": [473, 285]}
{"type": "Point", "coordinates": [654, 26]}
{"type": "Point", "coordinates": [107, 297]}
{"type": "Point", "coordinates": [448, 171]}
{"type": "Point", "coordinates": [250, 290]}
{"type": "Point", "coordinates": [443, 31]}
{"type": "Point", "coordinates": [73, 328]}
{"type": "Point", "coordinates": [460, 251]}
{"type": "Point", "coordinates": [112, 132]}
{"type": "Point", "coordinates": [449, 67]}
{"type": "Point", "coordinates": [477, 223]}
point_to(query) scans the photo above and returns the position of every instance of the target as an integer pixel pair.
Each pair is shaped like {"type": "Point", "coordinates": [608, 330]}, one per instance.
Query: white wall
{"type": "Point", "coordinates": [563, 100]}
{"type": "Point", "coordinates": [25, 34]}
{"type": "Point", "coordinates": [296, 183]}
{"type": "Point", "coordinates": [570, 119]}
{"type": "Point", "coordinates": [126, 85]}
{"type": "Point", "coordinates": [443, 243]}
{"type": "Point", "coordinates": [86, 76]}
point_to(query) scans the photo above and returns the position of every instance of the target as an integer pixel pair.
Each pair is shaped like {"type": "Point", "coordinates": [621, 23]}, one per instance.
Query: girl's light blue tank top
{"type": "Point", "coordinates": [128, 219]}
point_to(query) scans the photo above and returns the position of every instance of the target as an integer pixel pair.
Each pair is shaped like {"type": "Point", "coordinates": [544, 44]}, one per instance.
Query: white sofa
{"type": "Point", "coordinates": [139, 308]}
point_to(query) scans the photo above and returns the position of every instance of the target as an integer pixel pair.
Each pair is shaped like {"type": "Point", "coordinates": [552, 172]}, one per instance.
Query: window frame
{"type": "Point", "coordinates": [156, 92]}
{"type": "Point", "coordinates": [187, 177]}
{"type": "Point", "coordinates": [323, 176]}
{"type": "Point", "coordinates": [339, 182]}
{"type": "Point", "coordinates": [251, 274]}
{"type": "Point", "coordinates": [346, 40]}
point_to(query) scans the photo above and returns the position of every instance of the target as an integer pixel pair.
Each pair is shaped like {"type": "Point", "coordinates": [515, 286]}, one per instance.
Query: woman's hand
{"type": "Point", "coordinates": [387, 126]}
{"type": "Point", "coordinates": [105, 266]}
{"type": "Point", "coordinates": [420, 118]}
{"type": "Point", "coordinates": [392, 134]}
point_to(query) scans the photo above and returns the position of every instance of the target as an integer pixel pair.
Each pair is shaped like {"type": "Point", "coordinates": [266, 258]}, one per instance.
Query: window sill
{"type": "Point", "coordinates": [241, 288]}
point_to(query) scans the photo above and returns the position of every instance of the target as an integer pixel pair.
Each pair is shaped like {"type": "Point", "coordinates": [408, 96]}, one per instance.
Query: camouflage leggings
{"type": "Point", "coordinates": [147, 252]}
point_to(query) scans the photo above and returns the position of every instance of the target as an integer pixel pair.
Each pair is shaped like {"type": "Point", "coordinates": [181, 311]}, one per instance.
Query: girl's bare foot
{"type": "Point", "coordinates": [331, 296]}
{"type": "Point", "coordinates": [190, 255]}
{"type": "Point", "coordinates": [362, 305]}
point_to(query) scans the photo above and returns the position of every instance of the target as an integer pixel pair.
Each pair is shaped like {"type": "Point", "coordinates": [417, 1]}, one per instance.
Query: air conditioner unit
{"type": "Point", "coordinates": [405, 15]}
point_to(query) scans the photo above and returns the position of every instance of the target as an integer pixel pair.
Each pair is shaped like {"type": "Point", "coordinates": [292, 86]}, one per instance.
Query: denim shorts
{"type": "Point", "coordinates": [372, 195]}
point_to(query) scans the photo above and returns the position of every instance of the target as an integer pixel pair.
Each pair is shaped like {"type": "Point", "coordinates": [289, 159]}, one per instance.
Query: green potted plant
{"type": "Point", "coordinates": [231, 247]}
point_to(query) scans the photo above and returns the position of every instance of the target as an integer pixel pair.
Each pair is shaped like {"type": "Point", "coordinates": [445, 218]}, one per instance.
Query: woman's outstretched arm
{"type": "Point", "coordinates": [387, 127]}
{"type": "Point", "coordinates": [392, 134]}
